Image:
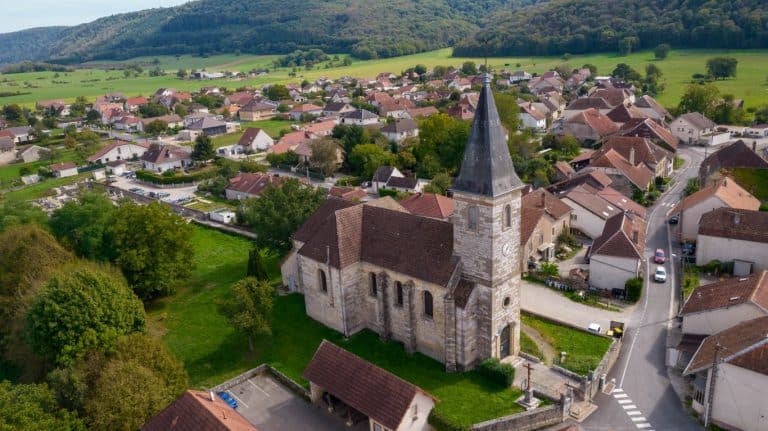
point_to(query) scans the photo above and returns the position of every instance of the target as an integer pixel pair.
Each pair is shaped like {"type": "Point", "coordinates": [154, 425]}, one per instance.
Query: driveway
{"type": "Point", "coordinates": [271, 407]}
{"type": "Point", "coordinates": [550, 303]}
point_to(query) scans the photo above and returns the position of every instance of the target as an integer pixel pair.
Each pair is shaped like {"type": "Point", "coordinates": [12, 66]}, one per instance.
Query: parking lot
{"type": "Point", "coordinates": [173, 194]}
{"type": "Point", "coordinates": [269, 406]}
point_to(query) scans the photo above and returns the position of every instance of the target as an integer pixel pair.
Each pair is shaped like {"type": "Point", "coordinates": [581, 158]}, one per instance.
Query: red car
{"type": "Point", "coordinates": [659, 256]}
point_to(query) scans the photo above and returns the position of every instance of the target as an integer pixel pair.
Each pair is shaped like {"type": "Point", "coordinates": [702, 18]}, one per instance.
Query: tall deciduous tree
{"type": "Point", "coordinates": [325, 155]}
{"type": "Point", "coordinates": [366, 158]}
{"type": "Point", "coordinates": [152, 246]}
{"type": "Point", "coordinates": [440, 184]}
{"type": "Point", "coordinates": [34, 408]}
{"type": "Point", "coordinates": [82, 225]}
{"type": "Point", "coordinates": [83, 306]}
{"type": "Point", "coordinates": [249, 309]}
{"type": "Point", "coordinates": [256, 267]}
{"type": "Point", "coordinates": [203, 149]}
{"type": "Point", "coordinates": [699, 98]}
{"type": "Point", "coordinates": [661, 51]}
{"type": "Point", "coordinates": [156, 128]}
{"type": "Point", "coordinates": [278, 212]}
{"type": "Point", "coordinates": [722, 67]}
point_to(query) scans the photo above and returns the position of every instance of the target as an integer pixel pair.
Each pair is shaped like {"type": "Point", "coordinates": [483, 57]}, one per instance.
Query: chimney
{"type": "Point", "coordinates": [213, 397]}
{"type": "Point", "coordinates": [635, 237]}
{"type": "Point", "coordinates": [632, 156]}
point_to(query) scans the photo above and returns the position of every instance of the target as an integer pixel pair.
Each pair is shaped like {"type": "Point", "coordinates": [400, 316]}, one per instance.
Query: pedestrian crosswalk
{"type": "Point", "coordinates": [635, 415]}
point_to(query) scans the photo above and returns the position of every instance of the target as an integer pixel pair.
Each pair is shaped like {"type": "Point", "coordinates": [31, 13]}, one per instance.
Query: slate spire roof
{"type": "Point", "coordinates": [487, 168]}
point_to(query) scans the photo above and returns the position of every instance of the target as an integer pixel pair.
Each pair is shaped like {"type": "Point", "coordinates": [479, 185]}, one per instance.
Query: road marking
{"type": "Point", "coordinates": [638, 419]}
{"type": "Point", "coordinates": [620, 396]}
{"type": "Point", "coordinates": [618, 390]}
{"type": "Point", "coordinates": [258, 387]}
{"type": "Point", "coordinates": [239, 401]}
{"type": "Point", "coordinates": [625, 401]}
{"type": "Point", "coordinates": [630, 407]}
{"type": "Point", "coordinates": [633, 413]}
{"type": "Point", "coordinates": [645, 425]}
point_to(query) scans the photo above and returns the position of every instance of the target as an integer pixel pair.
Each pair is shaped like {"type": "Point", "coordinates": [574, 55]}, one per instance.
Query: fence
{"type": "Point", "coordinates": [529, 420]}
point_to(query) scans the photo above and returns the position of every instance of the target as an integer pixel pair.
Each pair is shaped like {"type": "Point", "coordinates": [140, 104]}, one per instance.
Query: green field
{"type": "Point", "coordinates": [753, 180]}
{"type": "Point", "coordinates": [749, 85]}
{"type": "Point", "coordinates": [212, 351]}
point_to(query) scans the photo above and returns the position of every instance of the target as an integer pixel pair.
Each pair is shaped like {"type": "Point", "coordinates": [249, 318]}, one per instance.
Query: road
{"type": "Point", "coordinates": [644, 399]}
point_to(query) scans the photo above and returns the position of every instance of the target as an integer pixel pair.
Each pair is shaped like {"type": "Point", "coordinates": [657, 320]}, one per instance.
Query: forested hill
{"type": "Point", "coordinates": [363, 27]}
{"type": "Point", "coordinates": [580, 26]}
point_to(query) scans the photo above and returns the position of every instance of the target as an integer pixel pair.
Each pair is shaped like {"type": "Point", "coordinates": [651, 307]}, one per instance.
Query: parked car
{"type": "Point", "coordinates": [659, 256]}
{"type": "Point", "coordinates": [660, 275]}
{"type": "Point", "coordinates": [675, 219]}
{"type": "Point", "coordinates": [689, 248]}
{"type": "Point", "coordinates": [594, 327]}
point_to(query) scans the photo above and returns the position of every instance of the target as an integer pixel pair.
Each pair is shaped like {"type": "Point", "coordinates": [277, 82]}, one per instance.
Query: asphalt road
{"type": "Point", "coordinates": [644, 399]}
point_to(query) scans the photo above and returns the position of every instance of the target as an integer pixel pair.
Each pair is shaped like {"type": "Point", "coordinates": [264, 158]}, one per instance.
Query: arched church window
{"type": "Point", "coordinates": [323, 281]}
{"type": "Point", "coordinates": [399, 293]}
{"type": "Point", "coordinates": [507, 216]}
{"type": "Point", "coordinates": [472, 215]}
{"type": "Point", "coordinates": [374, 286]}
{"type": "Point", "coordinates": [428, 310]}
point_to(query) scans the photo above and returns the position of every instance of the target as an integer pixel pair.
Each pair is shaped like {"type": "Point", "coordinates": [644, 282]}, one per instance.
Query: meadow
{"type": "Point", "coordinates": [749, 85]}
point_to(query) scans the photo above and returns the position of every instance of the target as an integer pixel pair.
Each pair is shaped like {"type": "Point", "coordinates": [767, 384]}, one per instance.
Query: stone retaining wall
{"type": "Point", "coordinates": [284, 380]}
{"type": "Point", "coordinates": [526, 421]}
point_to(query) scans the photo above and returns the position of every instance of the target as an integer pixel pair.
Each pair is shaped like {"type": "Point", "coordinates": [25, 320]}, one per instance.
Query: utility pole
{"type": "Point", "coordinates": [715, 361]}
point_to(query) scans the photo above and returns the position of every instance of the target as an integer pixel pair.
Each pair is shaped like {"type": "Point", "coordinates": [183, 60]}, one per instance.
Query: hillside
{"type": "Point", "coordinates": [581, 26]}
{"type": "Point", "coordinates": [366, 29]}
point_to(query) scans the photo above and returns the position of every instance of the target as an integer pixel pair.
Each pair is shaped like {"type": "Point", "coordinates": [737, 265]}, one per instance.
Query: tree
{"type": "Point", "coordinates": [156, 128]}
{"type": "Point", "coordinates": [509, 110]}
{"type": "Point", "coordinates": [83, 306]}
{"type": "Point", "coordinates": [442, 139]}
{"type": "Point", "coordinates": [625, 72]}
{"type": "Point", "coordinates": [661, 51]}
{"type": "Point", "coordinates": [152, 246]}
{"type": "Point", "coordinates": [628, 44]}
{"type": "Point", "coordinates": [366, 158]}
{"type": "Point", "coordinates": [14, 114]}
{"type": "Point", "coordinates": [722, 67]}
{"type": "Point", "coordinates": [33, 408]}
{"type": "Point", "coordinates": [420, 69]}
{"type": "Point", "coordinates": [325, 155]}
{"type": "Point", "coordinates": [203, 150]}
{"type": "Point", "coordinates": [249, 309]}
{"type": "Point", "coordinates": [469, 68]}
{"type": "Point", "coordinates": [256, 267]}
{"type": "Point", "coordinates": [278, 212]}
{"type": "Point", "coordinates": [278, 92]}
{"type": "Point", "coordinates": [699, 98]}
{"type": "Point", "coordinates": [180, 110]}
{"type": "Point", "coordinates": [440, 184]}
{"type": "Point", "coordinates": [151, 110]}
{"type": "Point", "coordinates": [181, 73]}
{"type": "Point", "coordinates": [93, 117]}
{"type": "Point", "coordinates": [82, 225]}
{"type": "Point", "coordinates": [14, 213]}
{"type": "Point", "coordinates": [592, 68]}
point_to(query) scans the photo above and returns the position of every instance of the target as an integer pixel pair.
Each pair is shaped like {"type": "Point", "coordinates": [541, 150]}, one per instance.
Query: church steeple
{"type": "Point", "coordinates": [487, 168]}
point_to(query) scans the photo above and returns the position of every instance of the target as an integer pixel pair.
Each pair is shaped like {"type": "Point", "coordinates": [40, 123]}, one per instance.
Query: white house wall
{"type": "Point", "coordinates": [740, 399]}
{"type": "Point", "coordinates": [611, 272]}
{"type": "Point", "coordinates": [585, 221]}
{"type": "Point", "coordinates": [691, 216]}
{"type": "Point", "coordinates": [709, 248]}
{"type": "Point", "coordinates": [713, 321]}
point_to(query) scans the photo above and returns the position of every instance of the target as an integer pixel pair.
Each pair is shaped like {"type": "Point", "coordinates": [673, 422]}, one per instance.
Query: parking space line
{"type": "Point", "coordinates": [239, 401]}
{"type": "Point", "coordinates": [258, 387]}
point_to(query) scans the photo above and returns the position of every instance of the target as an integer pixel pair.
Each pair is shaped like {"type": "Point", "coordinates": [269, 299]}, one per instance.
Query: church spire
{"type": "Point", "coordinates": [487, 168]}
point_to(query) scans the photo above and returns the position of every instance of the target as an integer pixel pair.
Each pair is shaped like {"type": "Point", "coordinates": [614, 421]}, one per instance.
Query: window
{"type": "Point", "coordinates": [399, 293]}
{"type": "Point", "coordinates": [428, 311]}
{"type": "Point", "coordinates": [322, 279]}
{"type": "Point", "coordinates": [698, 395]}
{"type": "Point", "coordinates": [374, 286]}
{"type": "Point", "coordinates": [507, 216]}
{"type": "Point", "coordinates": [415, 411]}
{"type": "Point", "coordinates": [472, 218]}
{"type": "Point", "coordinates": [507, 300]}
{"type": "Point", "coordinates": [553, 231]}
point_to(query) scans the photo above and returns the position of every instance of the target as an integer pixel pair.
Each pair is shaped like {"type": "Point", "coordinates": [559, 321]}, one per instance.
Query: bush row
{"type": "Point", "coordinates": [497, 373]}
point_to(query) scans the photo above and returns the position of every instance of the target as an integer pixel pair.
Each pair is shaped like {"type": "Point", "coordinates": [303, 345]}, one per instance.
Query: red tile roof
{"type": "Point", "coordinates": [725, 189]}
{"type": "Point", "coordinates": [547, 202]}
{"type": "Point", "coordinates": [744, 345]}
{"type": "Point", "coordinates": [195, 411]}
{"type": "Point", "coordinates": [99, 154]}
{"type": "Point", "coordinates": [623, 236]}
{"type": "Point", "coordinates": [348, 193]}
{"type": "Point", "coordinates": [730, 292]}
{"type": "Point", "coordinates": [429, 205]}
{"type": "Point", "coordinates": [640, 175]}
{"type": "Point", "coordinates": [734, 223]}
{"type": "Point", "coordinates": [647, 128]}
{"type": "Point", "coordinates": [255, 183]}
{"type": "Point", "coordinates": [58, 167]}
{"type": "Point", "coordinates": [601, 124]}
{"type": "Point", "coordinates": [376, 393]}
{"type": "Point", "coordinates": [307, 107]}
{"type": "Point", "coordinates": [619, 200]}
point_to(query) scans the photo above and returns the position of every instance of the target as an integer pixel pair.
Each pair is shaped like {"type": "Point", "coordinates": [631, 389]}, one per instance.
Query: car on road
{"type": "Point", "coordinates": [659, 256]}
{"type": "Point", "coordinates": [660, 275]}
{"type": "Point", "coordinates": [675, 219]}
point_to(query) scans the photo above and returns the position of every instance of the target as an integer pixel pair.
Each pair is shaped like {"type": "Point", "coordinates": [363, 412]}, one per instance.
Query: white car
{"type": "Point", "coordinates": [660, 275]}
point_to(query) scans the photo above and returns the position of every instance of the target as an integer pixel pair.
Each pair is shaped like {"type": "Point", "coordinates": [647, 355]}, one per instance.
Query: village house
{"type": "Point", "coordinates": [693, 128]}
{"type": "Point", "coordinates": [736, 155]}
{"type": "Point", "coordinates": [589, 126]}
{"type": "Point", "coordinates": [724, 193]}
{"type": "Point", "coordinates": [404, 184]}
{"type": "Point", "coordinates": [400, 130]}
{"type": "Point", "coordinates": [353, 194]}
{"type": "Point", "coordinates": [543, 217]}
{"type": "Point", "coordinates": [336, 109]}
{"type": "Point", "coordinates": [627, 173]}
{"type": "Point", "coordinates": [595, 179]}
{"type": "Point", "coordinates": [198, 410]}
{"type": "Point", "coordinates": [647, 128]}
{"type": "Point", "coordinates": [160, 158]}
{"type": "Point", "coordinates": [386, 401]}
{"type": "Point", "coordinates": [614, 96]}
{"type": "Point", "coordinates": [32, 153]}
{"type": "Point", "coordinates": [248, 185]}
{"type": "Point", "coordinates": [240, 98]}
{"type": "Point", "coordinates": [20, 134]}
{"type": "Point", "coordinates": [172, 120]}
{"type": "Point", "coordinates": [256, 110]}
{"type": "Point", "coordinates": [291, 141]}
{"type": "Point", "coordinates": [395, 108]}
{"type": "Point", "coordinates": [555, 104]}
{"type": "Point", "coordinates": [320, 128]}
{"type": "Point", "coordinates": [518, 76]}
{"type": "Point", "coordinates": [590, 210]}
{"type": "Point", "coordinates": [208, 126]}
{"type": "Point", "coordinates": [7, 144]}
{"type": "Point", "coordinates": [417, 113]}
{"type": "Point", "coordinates": [618, 253]}
{"type": "Point", "coordinates": [382, 175]}
{"type": "Point", "coordinates": [731, 377]}
{"type": "Point", "coordinates": [580, 105]}
{"type": "Point", "coordinates": [563, 171]}
{"type": "Point", "coordinates": [417, 280]}
{"type": "Point", "coordinates": [625, 113]}
{"type": "Point", "coordinates": [734, 235]}
{"type": "Point", "coordinates": [652, 109]}
{"type": "Point", "coordinates": [359, 117]}
{"type": "Point", "coordinates": [64, 169]}
{"type": "Point", "coordinates": [57, 108]}
{"type": "Point", "coordinates": [532, 118]}
{"type": "Point", "coordinates": [119, 150]}
{"type": "Point", "coordinates": [132, 104]}
{"type": "Point", "coordinates": [256, 139]}
{"type": "Point", "coordinates": [429, 205]}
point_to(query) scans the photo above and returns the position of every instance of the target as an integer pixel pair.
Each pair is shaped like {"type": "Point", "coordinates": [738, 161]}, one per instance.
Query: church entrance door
{"type": "Point", "coordinates": [504, 347]}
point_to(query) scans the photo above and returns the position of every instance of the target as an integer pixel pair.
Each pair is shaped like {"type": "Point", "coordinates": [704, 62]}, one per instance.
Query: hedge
{"type": "Point", "coordinates": [440, 423]}
{"type": "Point", "coordinates": [633, 288]}
{"type": "Point", "coordinates": [176, 179]}
{"type": "Point", "coordinates": [497, 373]}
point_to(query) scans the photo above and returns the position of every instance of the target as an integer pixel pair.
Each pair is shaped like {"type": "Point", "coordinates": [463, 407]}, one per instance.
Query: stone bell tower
{"type": "Point", "coordinates": [486, 230]}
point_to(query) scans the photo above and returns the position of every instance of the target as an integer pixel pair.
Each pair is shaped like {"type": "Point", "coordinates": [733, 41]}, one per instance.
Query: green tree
{"type": "Point", "coordinates": [509, 111]}
{"type": "Point", "coordinates": [249, 309]}
{"type": "Point", "coordinates": [592, 68]}
{"type": "Point", "coordinates": [34, 408]}
{"type": "Point", "coordinates": [181, 73]}
{"type": "Point", "coordinates": [420, 69]}
{"type": "Point", "coordinates": [628, 44]}
{"type": "Point", "coordinates": [442, 138]}
{"type": "Point", "coordinates": [440, 184]}
{"type": "Point", "coordinates": [14, 213]}
{"type": "Point", "coordinates": [469, 68]}
{"type": "Point", "coordinates": [151, 110]}
{"type": "Point", "coordinates": [82, 224]}
{"type": "Point", "coordinates": [83, 306]}
{"type": "Point", "coordinates": [180, 110]}
{"type": "Point", "coordinates": [14, 114]}
{"type": "Point", "coordinates": [152, 246]}
{"type": "Point", "coordinates": [278, 92]}
{"type": "Point", "coordinates": [93, 117]}
{"type": "Point", "coordinates": [699, 98]}
{"type": "Point", "coordinates": [278, 212]}
{"type": "Point", "coordinates": [256, 268]}
{"type": "Point", "coordinates": [661, 51]}
{"type": "Point", "coordinates": [366, 158]}
{"type": "Point", "coordinates": [156, 128]}
{"type": "Point", "coordinates": [325, 155]}
{"type": "Point", "coordinates": [203, 150]}
{"type": "Point", "coordinates": [722, 67]}
{"type": "Point", "coordinates": [626, 72]}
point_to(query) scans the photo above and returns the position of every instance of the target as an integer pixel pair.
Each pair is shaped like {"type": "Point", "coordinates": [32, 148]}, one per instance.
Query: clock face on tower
{"type": "Point", "coordinates": [506, 250]}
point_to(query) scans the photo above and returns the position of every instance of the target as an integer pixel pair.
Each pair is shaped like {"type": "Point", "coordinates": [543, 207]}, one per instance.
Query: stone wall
{"type": "Point", "coordinates": [284, 380]}
{"type": "Point", "coordinates": [525, 421]}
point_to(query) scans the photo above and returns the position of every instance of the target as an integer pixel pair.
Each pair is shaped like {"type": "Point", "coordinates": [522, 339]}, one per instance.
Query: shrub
{"type": "Point", "coordinates": [388, 192]}
{"type": "Point", "coordinates": [151, 177]}
{"type": "Point", "coordinates": [497, 373]}
{"type": "Point", "coordinates": [440, 423]}
{"type": "Point", "coordinates": [550, 269]}
{"type": "Point", "coordinates": [712, 266]}
{"type": "Point", "coordinates": [569, 239]}
{"type": "Point", "coordinates": [634, 287]}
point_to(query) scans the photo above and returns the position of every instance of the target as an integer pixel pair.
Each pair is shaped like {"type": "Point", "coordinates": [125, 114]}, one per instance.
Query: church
{"type": "Point", "coordinates": [449, 290]}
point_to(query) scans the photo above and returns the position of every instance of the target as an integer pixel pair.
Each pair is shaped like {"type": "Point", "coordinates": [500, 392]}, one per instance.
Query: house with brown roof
{"type": "Point", "coordinates": [385, 400]}
{"type": "Point", "coordinates": [624, 113]}
{"type": "Point", "coordinates": [626, 174]}
{"type": "Point", "coordinates": [543, 217]}
{"type": "Point", "coordinates": [63, 169]}
{"type": "Point", "coordinates": [119, 150]}
{"type": "Point", "coordinates": [429, 205]}
{"type": "Point", "coordinates": [240, 98]}
{"type": "Point", "coordinates": [615, 96]}
{"type": "Point", "coordinates": [734, 235]}
{"type": "Point", "coordinates": [256, 139]}
{"type": "Point", "coordinates": [416, 113]}
{"type": "Point", "coordinates": [132, 104]}
{"type": "Point", "coordinates": [730, 371]}
{"type": "Point", "coordinates": [563, 170]}
{"type": "Point", "coordinates": [532, 118]}
{"type": "Point", "coordinates": [617, 254]}
{"type": "Point", "coordinates": [354, 194]}
{"type": "Point", "coordinates": [647, 128]}
{"type": "Point", "coordinates": [591, 210]}
{"type": "Point", "coordinates": [400, 130]}
{"type": "Point", "coordinates": [718, 306]}
{"type": "Point", "coordinates": [248, 185]}
{"type": "Point", "coordinates": [582, 104]}
{"type": "Point", "coordinates": [161, 158]}
{"type": "Point", "coordinates": [638, 150]}
{"type": "Point", "coordinates": [589, 126]}
{"type": "Point", "coordinates": [7, 144]}
{"type": "Point", "coordinates": [320, 127]}
{"type": "Point", "coordinates": [196, 410]}
{"type": "Point", "coordinates": [303, 109]}
{"type": "Point", "coordinates": [693, 128]}
{"type": "Point", "coordinates": [256, 110]}
{"type": "Point", "coordinates": [725, 193]}
{"type": "Point", "coordinates": [652, 109]}
{"type": "Point", "coordinates": [736, 155]}
{"type": "Point", "coordinates": [336, 109]}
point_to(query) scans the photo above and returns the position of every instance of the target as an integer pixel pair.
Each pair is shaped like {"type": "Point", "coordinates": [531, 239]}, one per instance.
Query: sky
{"type": "Point", "coordinates": [23, 14]}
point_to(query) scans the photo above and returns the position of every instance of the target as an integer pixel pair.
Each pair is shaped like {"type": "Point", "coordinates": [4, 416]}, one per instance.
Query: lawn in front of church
{"type": "Point", "coordinates": [194, 330]}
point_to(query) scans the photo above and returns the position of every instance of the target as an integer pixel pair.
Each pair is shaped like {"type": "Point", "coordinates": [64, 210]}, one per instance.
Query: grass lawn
{"type": "Point", "coordinates": [584, 350]}
{"type": "Point", "coordinates": [213, 352]}
{"type": "Point", "coordinates": [272, 127]}
{"type": "Point", "coordinates": [690, 280]}
{"type": "Point", "coordinates": [41, 189]}
{"type": "Point", "coordinates": [529, 346]}
{"type": "Point", "coordinates": [12, 171]}
{"type": "Point", "coordinates": [749, 85]}
{"type": "Point", "coordinates": [753, 180]}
